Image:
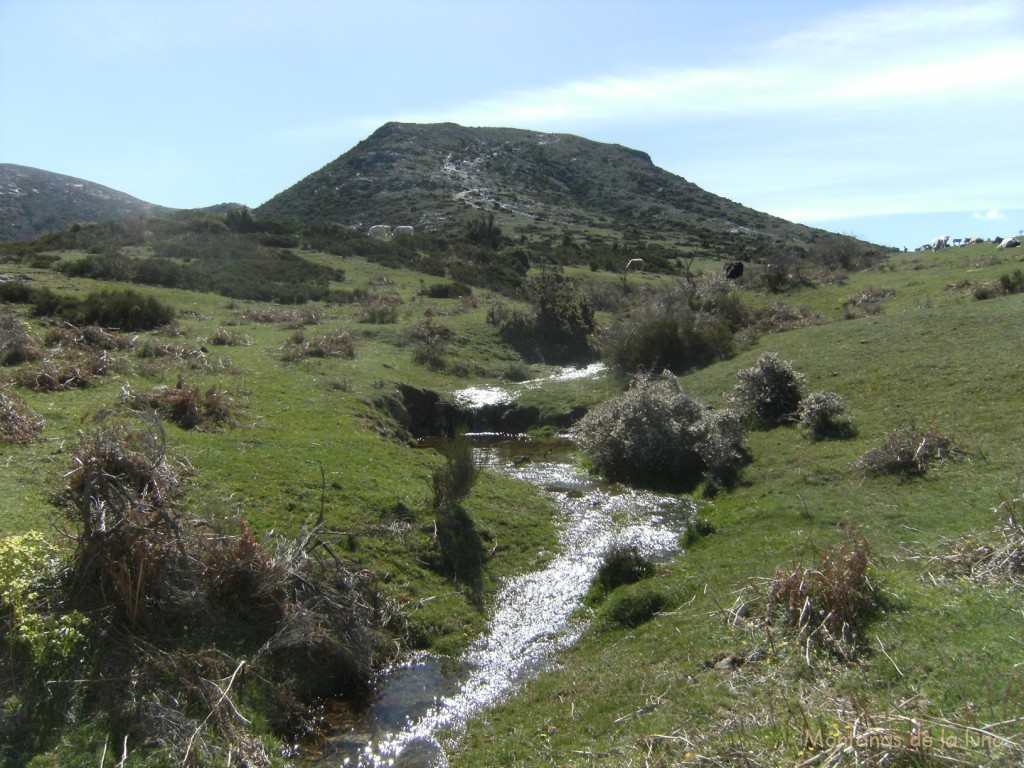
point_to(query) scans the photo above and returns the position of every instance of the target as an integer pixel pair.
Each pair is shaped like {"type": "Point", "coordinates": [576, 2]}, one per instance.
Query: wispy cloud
{"type": "Point", "coordinates": [988, 215]}
{"type": "Point", "coordinates": [854, 61]}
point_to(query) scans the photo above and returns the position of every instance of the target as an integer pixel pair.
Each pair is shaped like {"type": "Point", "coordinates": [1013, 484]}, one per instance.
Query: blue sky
{"type": "Point", "coordinates": [894, 121]}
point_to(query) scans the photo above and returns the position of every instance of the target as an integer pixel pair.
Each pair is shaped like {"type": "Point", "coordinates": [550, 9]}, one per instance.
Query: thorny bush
{"type": "Point", "coordinates": [769, 392]}
{"type": "Point", "coordinates": [656, 434]}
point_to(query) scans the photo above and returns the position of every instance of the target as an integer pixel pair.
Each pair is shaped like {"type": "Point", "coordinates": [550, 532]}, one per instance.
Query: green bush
{"type": "Point", "coordinates": [770, 392]}
{"type": "Point", "coordinates": [656, 434]}
{"type": "Point", "coordinates": [559, 325]}
{"type": "Point", "coordinates": [123, 308]}
{"type": "Point", "coordinates": [634, 605]}
{"type": "Point", "coordinates": [623, 564]}
{"type": "Point", "coordinates": [824, 415]}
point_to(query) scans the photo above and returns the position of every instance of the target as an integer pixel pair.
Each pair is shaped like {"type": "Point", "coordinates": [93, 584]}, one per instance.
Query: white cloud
{"type": "Point", "coordinates": [854, 61]}
{"type": "Point", "coordinates": [988, 215]}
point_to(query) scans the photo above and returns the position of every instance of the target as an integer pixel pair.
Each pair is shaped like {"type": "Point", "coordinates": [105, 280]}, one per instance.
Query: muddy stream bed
{"type": "Point", "coordinates": [421, 706]}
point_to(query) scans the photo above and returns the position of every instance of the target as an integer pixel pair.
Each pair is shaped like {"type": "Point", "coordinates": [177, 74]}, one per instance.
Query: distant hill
{"type": "Point", "coordinates": [33, 202]}
{"type": "Point", "coordinates": [437, 176]}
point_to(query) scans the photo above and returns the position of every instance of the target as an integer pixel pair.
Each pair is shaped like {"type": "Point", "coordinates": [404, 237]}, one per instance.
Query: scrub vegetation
{"type": "Point", "coordinates": [215, 526]}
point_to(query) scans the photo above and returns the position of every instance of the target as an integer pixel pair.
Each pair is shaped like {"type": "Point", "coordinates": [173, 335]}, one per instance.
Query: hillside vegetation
{"type": "Point", "coordinates": [215, 517]}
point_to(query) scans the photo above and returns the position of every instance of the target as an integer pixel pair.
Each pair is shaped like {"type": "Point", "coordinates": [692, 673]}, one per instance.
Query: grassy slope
{"type": "Point", "coordinates": [647, 696]}
{"type": "Point", "coordinates": [954, 361]}
{"type": "Point", "coordinates": [293, 419]}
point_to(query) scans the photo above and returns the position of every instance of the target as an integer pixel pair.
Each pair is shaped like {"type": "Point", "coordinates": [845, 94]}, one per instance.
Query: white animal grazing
{"type": "Point", "coordinates": [1010, 242]}
{"type": "Point", "coordinates": [403, 230]}
{"type": "Point", "coordinates": [635, 264]}
{"type": "Point", "coordinates": [940, 242]}
{"type": "Point", "coordinates": [383, 231]}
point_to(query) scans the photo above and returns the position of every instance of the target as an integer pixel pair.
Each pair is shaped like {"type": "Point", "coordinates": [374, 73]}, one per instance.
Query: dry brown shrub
{"type": "Point", "coordinates": [18, 424]}
{"type": "Point", "coordinates": [825, 605]}
{"type": "Point", "coordinates": [17, 344]}
{"type": "Point", "coordinates": [119, 498]}
{"type": "Point", "coordinates": [335, 344]}
{"type": "Point", "coordinates": [90, 336]}
{"type": "Point", "coordinates": [908, 452]}
{"type": "Point", "coordinates": [999, 558]}
{"type": "Point", "coordinates": [188, 406]}
{"type": "Point", "coordinates": [225, 338]}
{"type": "Point", "coordinates": [76, 370]}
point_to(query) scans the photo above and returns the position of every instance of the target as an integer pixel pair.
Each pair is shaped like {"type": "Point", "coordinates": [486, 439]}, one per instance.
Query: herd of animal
{"type": "Point", "coordinates": [944, 242]}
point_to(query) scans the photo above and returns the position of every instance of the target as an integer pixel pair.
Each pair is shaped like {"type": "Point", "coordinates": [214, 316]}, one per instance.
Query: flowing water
{"type": "Point", "coordinates": [423, 705]}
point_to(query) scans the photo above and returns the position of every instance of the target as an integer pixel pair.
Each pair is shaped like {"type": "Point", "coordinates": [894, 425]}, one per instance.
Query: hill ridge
{"type": "Point", "coordinates": [34, 201]}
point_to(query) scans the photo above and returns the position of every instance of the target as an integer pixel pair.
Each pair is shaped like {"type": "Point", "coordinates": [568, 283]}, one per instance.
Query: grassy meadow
{"type": "Point", "coordinates": [938, 677]}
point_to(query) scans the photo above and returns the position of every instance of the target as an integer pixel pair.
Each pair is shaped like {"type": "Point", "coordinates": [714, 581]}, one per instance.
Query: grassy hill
{"type": "Point", "coordinates": [306, 424]}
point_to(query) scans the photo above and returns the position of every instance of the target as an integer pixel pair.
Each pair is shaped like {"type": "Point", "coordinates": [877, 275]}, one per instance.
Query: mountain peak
{"type": "Point", "coordinates": [439, 175]}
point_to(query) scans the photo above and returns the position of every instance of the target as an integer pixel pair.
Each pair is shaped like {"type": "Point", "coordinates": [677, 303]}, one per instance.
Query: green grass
{"type": "Point", "coordinates": [309, 438]}
{"type": "Point", "coordinates": [943, 651]}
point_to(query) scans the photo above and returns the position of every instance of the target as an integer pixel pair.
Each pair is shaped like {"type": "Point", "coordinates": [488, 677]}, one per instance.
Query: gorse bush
{"type": "Point", "coordinates": [769, 392]}
{"type": "Point", "coordinates": [688, 326]}
{"type": "Point", "coordinates": [824, 415]}
{"type": "Point", "coordinates": [656, 434]}
{"type": "Point", "coordinates": [124, 309]}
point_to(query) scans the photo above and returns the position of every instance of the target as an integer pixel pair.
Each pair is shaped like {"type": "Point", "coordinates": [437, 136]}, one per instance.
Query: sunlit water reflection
{"type": "Point", "coordinates": [423, 706]}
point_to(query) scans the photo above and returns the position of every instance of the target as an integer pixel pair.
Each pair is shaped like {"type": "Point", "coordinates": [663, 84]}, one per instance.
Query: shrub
{"type": "Point", "coordinates": [633, 606]}
{"type": "Point", "coordinates": [124, 308]}
{"type": "Point", "coordinates": [118, 497]}
{"type": "Point", "coordinates": [677, 344]}
{"type": "Point", "coordinates": [447, 290]}
{"type": "Point", "coordinates": [908, 452]}
{"type": "Point", "coordinates": [30, 573]}
{"type": "Point", "coordinates": [459, 545]}
{"type": "Point", "coordinates": [557, 329]}
{"type": "Point", "coordinates": [656, 434]}
{"type": "Point", "coordinates": [225, 338]}
{"type": "Point", "coordinates": [1012, 283]}
{"type": "Point", "coordinates": [18, 424]}
{"type": "Point", "coordinates": [826, 605]}
{"type": "Point", "coordinates": [380, 310]}
{"type": "Point", "coordinates": [997, 562]}
{"type": "Point", "coordinates": [824, 415]}
{"type": "Point", "coordinates": [769, 392]}
{"type": "Point", "coordinates": [188, 406]}
{"type": "Point", "coordinates": [623, 564]}
{"type": "Point", "coordinates": [336, 344]}
{"type": "Point", "coordinates": [17, 345]}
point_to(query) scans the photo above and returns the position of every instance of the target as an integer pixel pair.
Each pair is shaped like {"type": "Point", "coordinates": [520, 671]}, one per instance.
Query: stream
{"type": "Point", "coordinates": [422, 706]}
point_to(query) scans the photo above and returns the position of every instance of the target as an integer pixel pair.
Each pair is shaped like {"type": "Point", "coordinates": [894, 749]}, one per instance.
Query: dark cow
{"type": "Point", "coordinates": [733, 269]}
